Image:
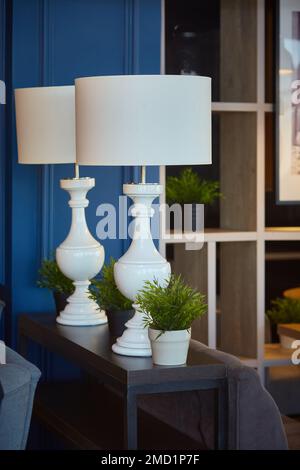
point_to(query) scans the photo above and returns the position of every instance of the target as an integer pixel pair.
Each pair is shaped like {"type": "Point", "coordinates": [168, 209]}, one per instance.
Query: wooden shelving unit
{"type": "Point", "coordinates": [239, 243]}
{"type": "Point", "coordinates": [211, 235]}
{"type": "Point", "coordinates": [283, 256]}
{"type": "Point", "coordinates": [282, 234]}
{"type": "Point", "coordinates": [275, 355]}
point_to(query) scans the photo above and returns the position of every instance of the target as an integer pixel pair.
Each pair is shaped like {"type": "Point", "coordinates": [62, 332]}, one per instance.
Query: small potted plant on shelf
{"type": "Point", "coordinates": [169, 314]}
{"type": "Point", "coordinates": [190, 188]}
{"type": "Point", "coordinates": [105, 292]}
{"type": "Point", "coordinates": [284, 311]}
{"type": "Point", "coordinates": [51, 277]}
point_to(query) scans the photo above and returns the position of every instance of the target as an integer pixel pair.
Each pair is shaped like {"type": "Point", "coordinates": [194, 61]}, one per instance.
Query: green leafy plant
{"type": "Point", "coordinates": [170, 308]}
{"type": "Point", "coordinates": [189, 188]}
{"type": "Point", "coordinates": [284, 311]}
{"type": "Point", "coordinates": [105, 292]}
{"type": "Point", "coordinates": [51, 277]}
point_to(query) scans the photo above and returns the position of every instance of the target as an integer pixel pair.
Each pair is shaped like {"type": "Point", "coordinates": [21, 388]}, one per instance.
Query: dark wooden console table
{"type": "Point", "coordinates": [90, 349]}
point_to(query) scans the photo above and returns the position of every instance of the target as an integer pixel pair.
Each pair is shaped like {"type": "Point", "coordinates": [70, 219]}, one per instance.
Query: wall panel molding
{"type": "Point", "coordinates": [132, 65]}
{"type": "Point", "coordinates": [136, 37]}
{"type": "Point", "coordinates": [47, 171]}
{"type": "Point", "coordinates": [128, 36]}
{"type": "Point", "coordinates": [128, 69]}
{"type": "Point", "coordinates": [2, 141]}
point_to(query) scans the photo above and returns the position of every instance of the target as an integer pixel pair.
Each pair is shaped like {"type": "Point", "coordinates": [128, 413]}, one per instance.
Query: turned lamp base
{"type": "Point", "coordinates": [81, 310]}
{"type": "Point", "coordinates": [70, 320]}
{"type": "Point", "coordinates": [142, 262]}
{"type": "Point", "coordinates": [135, 340]}
{"type": "Point", "coordinates": [80, 257]}
{"type": "Point", "coordinates": [85, 320]}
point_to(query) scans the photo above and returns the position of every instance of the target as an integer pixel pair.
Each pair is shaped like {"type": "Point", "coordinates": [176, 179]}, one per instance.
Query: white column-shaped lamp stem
{"type": "Point", "coordinates": [80, 257]}
{"type": "Point", "coordinates": [141, 263]}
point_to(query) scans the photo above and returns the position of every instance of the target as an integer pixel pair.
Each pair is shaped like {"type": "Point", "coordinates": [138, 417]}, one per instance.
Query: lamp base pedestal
{"type": "Point", "coordinates": [142, 262]}
{"type": "Point", "coordinates": [81, 310]}
{"type": "Point", "coordinates": [80, 257]}
{"type": "Point", "coordinates": [134, 341]}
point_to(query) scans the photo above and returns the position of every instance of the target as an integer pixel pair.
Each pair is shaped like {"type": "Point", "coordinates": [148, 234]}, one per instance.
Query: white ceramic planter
{"type": "Point", "coordinates": [170, 348]}
{"type": "Point", "coordinates": [286, 342]}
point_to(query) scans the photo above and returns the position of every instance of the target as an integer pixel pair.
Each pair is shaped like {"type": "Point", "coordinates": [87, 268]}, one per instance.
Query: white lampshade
{"type": "Point", "coordinates": [45, 118]}
{"type": "Point", "coordinates": [143, 120]}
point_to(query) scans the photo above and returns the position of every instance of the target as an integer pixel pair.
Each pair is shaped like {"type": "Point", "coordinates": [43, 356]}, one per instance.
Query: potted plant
{"type": "Point", "coordinates": [169, 314]}
{"type": "Point", "coordinates": [105, 292]}
{"type": "Point", "coordinates": [51, 277]}
{"type": "Point", "coordinates": [284, 311]}
{"type": "Point", "coordinates": [190, 188]}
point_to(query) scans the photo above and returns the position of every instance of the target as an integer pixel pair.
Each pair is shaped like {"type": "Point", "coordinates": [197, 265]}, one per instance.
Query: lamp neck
{"type": "Point", "coordinates": [79, 233]}
{"type": "Point", "coordinates": [77, 176]}
{"type": "Point", "coordinates": [142, 211]}
{"type": "Point", "coordinates": [143, 174]}
{"type": "Point", "coordinates": [143, 196]}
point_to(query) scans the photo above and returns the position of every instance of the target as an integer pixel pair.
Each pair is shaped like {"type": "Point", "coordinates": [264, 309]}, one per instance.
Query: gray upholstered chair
{"type": "Point", "coordinates": [18, 380]}
{"type": "Point", "coordinates": [254, 419]}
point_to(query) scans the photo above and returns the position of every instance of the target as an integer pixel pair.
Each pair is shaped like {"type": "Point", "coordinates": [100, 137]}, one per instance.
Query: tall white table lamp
{"type": "Point", "coordinates": [142, 120]}
{"type": "Point", "coordinates": [45, 118]}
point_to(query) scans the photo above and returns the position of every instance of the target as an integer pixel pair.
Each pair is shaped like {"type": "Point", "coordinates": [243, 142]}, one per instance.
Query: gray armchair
{"type": "Point", "coordinates": [18, 380]}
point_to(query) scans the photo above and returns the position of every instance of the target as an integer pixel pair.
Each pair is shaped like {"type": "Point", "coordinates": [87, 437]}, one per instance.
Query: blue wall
{"type": "Point", "coordinates": [51, 43]}
{"type": "Point", "coordinates": [2, 140]}
{"type": "Point", "coordinates": [4, 176]}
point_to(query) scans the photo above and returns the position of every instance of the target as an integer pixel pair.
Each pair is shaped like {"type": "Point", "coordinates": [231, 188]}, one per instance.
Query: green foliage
{"type": "Point", "coordinates": [105, 292]}
{"type": "Point", "coordinates": [170, 308]}
{"type": "Point", "coordinates": [189, 188]}
{"type": "Point", "coordinates": [284, 311]}
{"type": "Point", "coordinates": [51, 277]}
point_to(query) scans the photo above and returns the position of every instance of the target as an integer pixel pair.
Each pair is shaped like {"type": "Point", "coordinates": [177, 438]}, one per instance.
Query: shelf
{"type": "Point", "coordinates": [223, 107]}
{"type": "Point", "coordinates": [248, 361]}
{"type": "Point", "coordinates": [283, 255]}
{"type": "Point", "coordinates": [275, 355]}
{"type": "Point", "coordinates": [291, 330]}
{"type": "Point", "coordinates": [211, 235]}
{"type": "Point", "coordinates": [282, 233]}
{"type": "Point", "coordinates": [224, 235]}
{"type": "Point", "coordinates": [90, 417]}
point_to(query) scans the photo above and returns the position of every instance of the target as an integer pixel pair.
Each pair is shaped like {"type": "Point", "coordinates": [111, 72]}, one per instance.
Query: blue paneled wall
{"type": "Point", "coordinates": [52, 42]}
{"type": "Point", "coordinates": [2, 138]}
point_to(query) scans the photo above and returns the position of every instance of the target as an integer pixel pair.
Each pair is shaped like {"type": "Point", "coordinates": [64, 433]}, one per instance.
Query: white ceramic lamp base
{"type": "Point", "coordinates": [142, 262]}
{"type": "Point", "coordinates": [135, 339]}
{"type": "Point", "coordinates": [80, 309]}
{"type": "Point", "coordinates": [80, 257]}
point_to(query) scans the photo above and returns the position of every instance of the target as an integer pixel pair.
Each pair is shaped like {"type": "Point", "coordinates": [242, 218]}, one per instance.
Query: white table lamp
{"type": "Point", "coordinates": [45, 118]}
{"type": "Point", "coordinates": [142, 120]}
